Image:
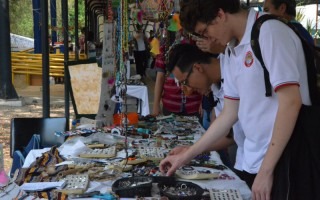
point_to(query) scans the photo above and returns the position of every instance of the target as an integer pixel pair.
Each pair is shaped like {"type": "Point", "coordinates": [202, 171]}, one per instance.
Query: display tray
{"type": "Point", "coordinates": [137, 186]}
{"type": "Point", "coordinates": [180, 190]}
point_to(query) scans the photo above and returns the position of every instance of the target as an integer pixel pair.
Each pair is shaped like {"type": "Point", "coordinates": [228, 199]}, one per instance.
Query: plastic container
{"type": "Point", "coordinates": [137, 186]}
{"type": "Point", "coordinates": [119, 118]}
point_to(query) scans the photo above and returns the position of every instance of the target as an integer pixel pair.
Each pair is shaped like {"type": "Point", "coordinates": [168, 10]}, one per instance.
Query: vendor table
{"type": "Point", "coordinates": [227, 180]}
{"type": "Point", "coordinates": [145, 148]}
{"type": "Point", "coordinates": [231, 180]}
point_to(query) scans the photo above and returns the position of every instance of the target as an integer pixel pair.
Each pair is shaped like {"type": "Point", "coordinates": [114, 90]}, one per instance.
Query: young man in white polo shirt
{"type": "Point", "coordinates": [267, 122]}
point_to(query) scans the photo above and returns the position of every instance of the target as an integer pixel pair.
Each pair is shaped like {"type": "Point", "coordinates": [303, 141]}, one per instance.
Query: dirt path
{"type": "Point", "coordinates": [33, 108]}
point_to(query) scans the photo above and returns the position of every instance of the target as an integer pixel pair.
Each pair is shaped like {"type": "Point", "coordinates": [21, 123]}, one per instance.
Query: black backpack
{"type": "Point", "coordinates": [297, 174]}
{"type": "Point", "coordinates": [311, 52]}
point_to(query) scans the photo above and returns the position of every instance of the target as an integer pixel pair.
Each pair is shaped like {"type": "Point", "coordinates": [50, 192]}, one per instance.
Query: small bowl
{"type": "Point", "coordinates": [181, 190]}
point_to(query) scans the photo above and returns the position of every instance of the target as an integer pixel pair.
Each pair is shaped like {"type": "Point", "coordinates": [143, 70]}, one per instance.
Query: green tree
{"type": "Point", "coordinates": [71, 16]}
{"type": "Point", "coordinates": [21, 18]}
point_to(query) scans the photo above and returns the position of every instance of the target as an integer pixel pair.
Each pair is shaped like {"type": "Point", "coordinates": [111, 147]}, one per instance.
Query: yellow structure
{"type": "Point", "coordinates": [30, 64]}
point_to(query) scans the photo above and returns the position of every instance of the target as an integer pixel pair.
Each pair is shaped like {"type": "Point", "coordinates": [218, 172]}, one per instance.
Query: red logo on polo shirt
{"type": "Point", "coordinates": [249, 59]}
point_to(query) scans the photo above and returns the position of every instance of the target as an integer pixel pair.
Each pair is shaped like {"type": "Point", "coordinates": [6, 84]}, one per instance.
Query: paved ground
{"type": "Point", "coordinates": [33, 108]}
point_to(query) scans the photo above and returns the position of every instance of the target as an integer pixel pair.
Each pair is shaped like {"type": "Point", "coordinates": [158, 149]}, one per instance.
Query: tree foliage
{"type": "Point", "coordinates": [21, 16]}
{"type": "Point", "coordinates": [21, 19]}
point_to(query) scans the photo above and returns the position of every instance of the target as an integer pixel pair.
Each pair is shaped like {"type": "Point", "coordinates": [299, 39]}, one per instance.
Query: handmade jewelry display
{"type": "Point", "coordinates": [133, 161]}
{"type": "Point", "coordinates": [99, 153]}
{"type": "Point", "coordinates": [188, 172]}
{"type": "Point", "coordinates": [230, 194]}
{"type": "Point", "coordinates": [104, 174]}
{"type": "Point", "coordinates": [151, 153]}
{"type": "Point", "coordinates": [76, 184]}
{"type": "Point", "coordinates": [133, 186]}
{"type": "Point", "coordinates": [119, 166]}
{"type": "Point", "coordinates": [146, 171]}
{"type": "Point", "coordinates": [180, 190]}
{"type": "Point", "coordinates": [170, 144]}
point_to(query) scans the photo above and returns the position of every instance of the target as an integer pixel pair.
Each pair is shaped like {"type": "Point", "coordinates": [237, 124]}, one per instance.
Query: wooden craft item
{"type": "Point", "coordinates": [86, 87]}
{"type": "Point", "coordinates": [151, 153]}
{"type": "Point", "coordinates": [229, 194]}
{"type": "Point", "coordinates": [120, 166]}
{"type": "Point", "coordinates": [76, 184]}
{"type": "Point", "coordinates": [96, 146]}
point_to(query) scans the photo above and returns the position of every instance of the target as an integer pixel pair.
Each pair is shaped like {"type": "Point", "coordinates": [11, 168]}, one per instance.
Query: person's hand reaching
{"type": "Point", "coordinates": [179, 149]}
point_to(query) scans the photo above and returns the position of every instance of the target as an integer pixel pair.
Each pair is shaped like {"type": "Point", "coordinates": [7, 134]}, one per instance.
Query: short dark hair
{"type": "Point", "coordinates": [184, 56]}
{"type": "Point", "coordinates": [90, 36]}
{"type": "Point", "coordinates": [193, 11]}
{"type": "Point", "coordinates": [291, 6]}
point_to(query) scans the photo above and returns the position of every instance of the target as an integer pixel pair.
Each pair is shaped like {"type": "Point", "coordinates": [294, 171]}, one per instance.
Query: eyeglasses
{"type": "Point", "coordinates": [185, 81]}
{"type": "Point", "coordinates": [196, 36]}
{"type": "Point", "coordinates": [204, 31]}
{"type": "Point", "coordinates": [186, 89]}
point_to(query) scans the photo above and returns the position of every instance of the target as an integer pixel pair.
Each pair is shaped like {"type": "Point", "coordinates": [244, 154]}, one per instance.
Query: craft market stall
{"type": "Point", "coordinates": [108, 164]}
{"type": "Point", "coordinates": [117, 154]}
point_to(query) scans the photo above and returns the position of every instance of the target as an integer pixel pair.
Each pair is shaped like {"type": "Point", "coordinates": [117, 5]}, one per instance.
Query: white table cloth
{"type": "Point", "coordinates": [140, 92]}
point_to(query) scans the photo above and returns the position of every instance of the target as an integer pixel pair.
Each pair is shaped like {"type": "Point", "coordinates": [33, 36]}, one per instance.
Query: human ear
{"type": "Point", "coordinates": [283, 8]}
{"type": "Point", "coordinates": [198, 67]}
{"type": "Point", "coordinates": [221, 15]}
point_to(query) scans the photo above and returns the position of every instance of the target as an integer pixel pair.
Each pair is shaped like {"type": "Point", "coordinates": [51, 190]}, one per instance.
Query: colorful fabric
{"type": "Point", "coordinates": [37, 173]}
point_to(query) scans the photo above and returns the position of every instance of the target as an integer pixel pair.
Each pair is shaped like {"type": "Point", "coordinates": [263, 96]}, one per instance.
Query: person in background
{"type": "Point", "coordinates": [61, 41]}
{"type": "Point", "coordinates": [151, 35]}
{"type": "Point", "coordinates": [175, 98]}
{"type": "Point", "coordinates": [152, 57]}
{"type": "Point", "coordinates": [141, 52]}
{"type": "Point", "coordinates": [82, 40]}
{"type": "Point", "coordinates": [51, 49]}
{"type": "Point", "coordinates": [91, 47]}
{"type": "Point", "coordinates": [287, 10]}
{"type": "Point", "coordinates": [268, 122]}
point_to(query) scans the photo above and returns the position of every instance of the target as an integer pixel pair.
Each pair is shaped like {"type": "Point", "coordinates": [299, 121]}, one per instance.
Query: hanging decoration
{"type": "Point", "coordinates": [156, 10]}
{"type": "Point", "coordinates": [140, 17]}
{"type": "Point", "coordinates": [155, 44]}
{"type": "Point", "coordinates": [150, 9]}
{"type": "Point", "coordinates": [174, 24]}
{"type": "Point", "coordinates": [164, 9]}
{"type": "Point", "coordinates": [125, 27]}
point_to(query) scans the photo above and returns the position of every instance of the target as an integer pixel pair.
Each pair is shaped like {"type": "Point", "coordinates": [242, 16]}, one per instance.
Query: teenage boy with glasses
{"type": "Point", "coordinates": [176, 99]}
{"type": "Point", "coordinates": [267, 122]}
{"type": "Point", "coordinates": [206, 67]}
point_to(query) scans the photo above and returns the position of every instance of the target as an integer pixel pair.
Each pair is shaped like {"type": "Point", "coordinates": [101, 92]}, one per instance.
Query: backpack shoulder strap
{"type": "Point", "coordinates": [309, 52]}
{"type": "Point", "coordinates": [255, 32]}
